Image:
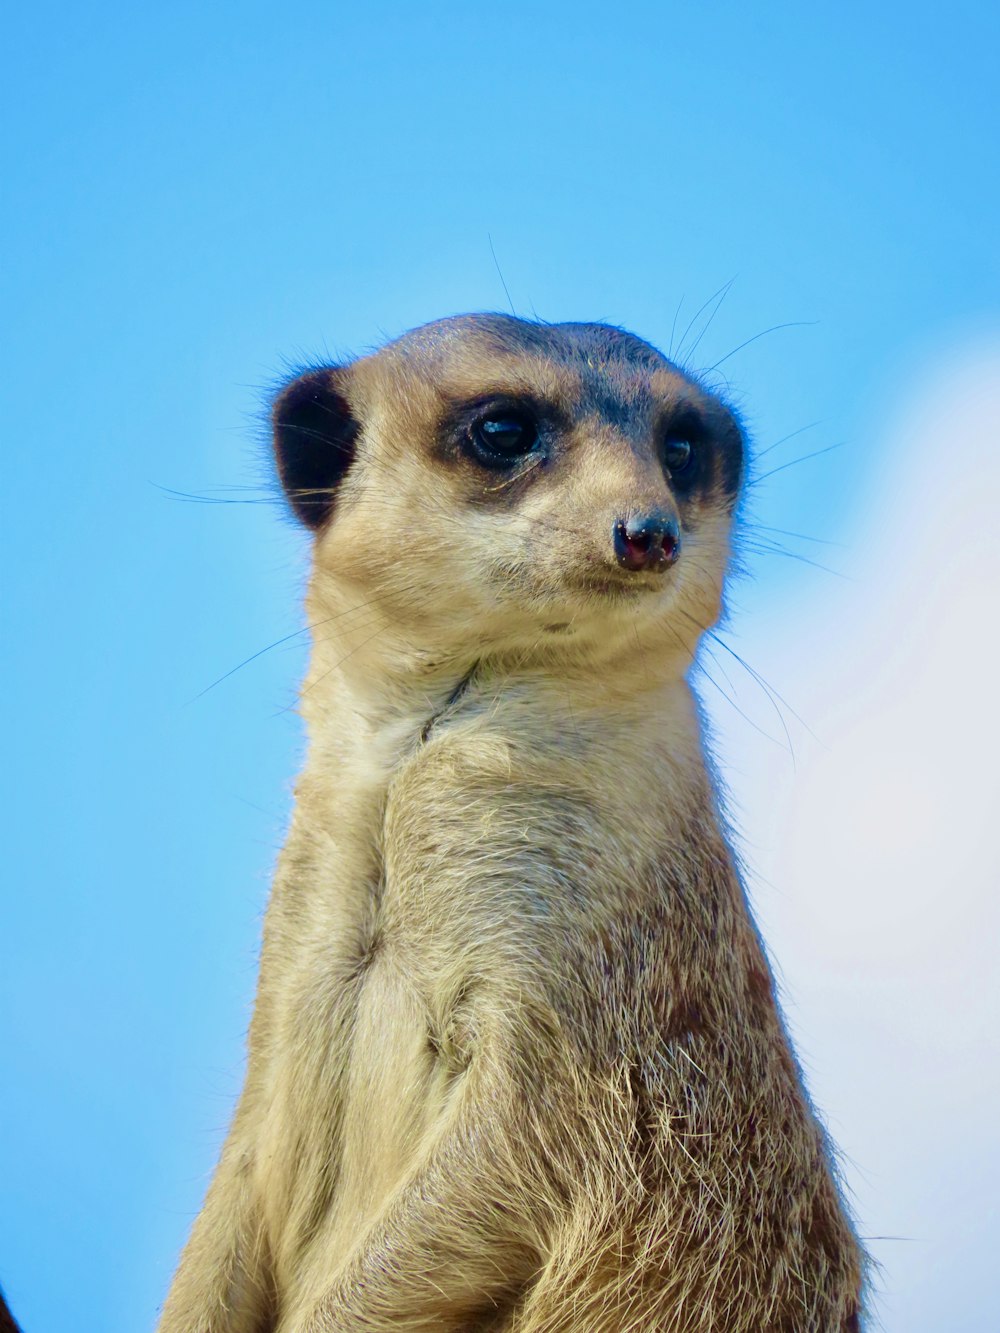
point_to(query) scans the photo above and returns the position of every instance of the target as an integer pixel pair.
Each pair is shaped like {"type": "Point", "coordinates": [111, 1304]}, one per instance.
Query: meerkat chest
{"type": "Point", "coordinates": [468, 840]}
{"type": "Point", "coordinates": [512, 825]}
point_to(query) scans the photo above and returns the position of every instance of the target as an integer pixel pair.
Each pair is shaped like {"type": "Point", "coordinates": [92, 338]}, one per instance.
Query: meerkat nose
{"type": "Point", "coordinates": [647, 541]}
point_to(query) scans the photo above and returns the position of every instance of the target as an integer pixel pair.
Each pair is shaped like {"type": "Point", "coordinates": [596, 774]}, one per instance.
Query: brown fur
{"type": "Point", "coordinates": [516, 1062]}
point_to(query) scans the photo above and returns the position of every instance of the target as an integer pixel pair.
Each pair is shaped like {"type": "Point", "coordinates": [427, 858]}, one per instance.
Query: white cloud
{"type": "Point", "coordinates": [875, 860]}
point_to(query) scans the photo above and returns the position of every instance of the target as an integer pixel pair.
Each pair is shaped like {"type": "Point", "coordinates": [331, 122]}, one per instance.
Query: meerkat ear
{"type": "Point", "coordinates": [315, 434]}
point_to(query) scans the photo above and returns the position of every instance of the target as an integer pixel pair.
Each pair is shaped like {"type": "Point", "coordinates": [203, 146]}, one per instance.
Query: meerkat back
{"type": "Point", "coordinates": [516, 1061]}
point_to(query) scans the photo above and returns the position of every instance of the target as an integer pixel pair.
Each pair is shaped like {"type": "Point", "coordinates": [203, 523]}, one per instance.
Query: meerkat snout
{"type": "Point", "coordinates": [647, 541]}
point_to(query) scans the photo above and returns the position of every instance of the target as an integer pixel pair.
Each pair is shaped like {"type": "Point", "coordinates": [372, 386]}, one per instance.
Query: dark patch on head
{"type": "Point", "coordinates": [600, 354]}
{"type": "Point", "coordinates": [612, 365]}
{"type": "Point", "coordinates": [315, 435]}
{"type": "Point", "coordinates": [852, 1324]}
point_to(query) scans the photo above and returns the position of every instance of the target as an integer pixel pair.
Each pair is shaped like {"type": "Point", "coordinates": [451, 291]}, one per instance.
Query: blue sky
{"type": "Point", "coordinates": [198, 197]}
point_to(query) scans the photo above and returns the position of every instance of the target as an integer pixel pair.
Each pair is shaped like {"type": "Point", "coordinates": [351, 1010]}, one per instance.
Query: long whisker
{"type": "Point", "coordinates": [775, 548]}
{"type": "Point", "coordinates": [818, 453]}
{"type": "Point", "coordinates": [703, 671]}
{"type": "Point", "coordinates": [295, 634]}
{"type": "Point", "coordinates": [775, 328]}
{"type": "Point", "coordinates": [496, 263]}
{"type": "Point", "coordinates": [784, 440]}
{"type": "Point", "coordinates": [708, 322]}
{"type": "Point", "coordinates": [192, 498]}
{"type": "Point", "coordinates": [286, 638]}
{"type": "Point", "coordinates": [800, 536]}
{"type": "Point", "coordinates": [719, 295]}
{"type": "Point", "coordinates": [339, 663]}
{"type": "Point", "coordinates": [769, 690]}
{"type": "Point", "coordinates": [774, 698]}
{"type": "Point", "coordinates": [673, 329]}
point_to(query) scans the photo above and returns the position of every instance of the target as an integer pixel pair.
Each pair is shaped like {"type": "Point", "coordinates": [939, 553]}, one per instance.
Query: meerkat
{"type": "Point", "coordinates": [516, 1061]}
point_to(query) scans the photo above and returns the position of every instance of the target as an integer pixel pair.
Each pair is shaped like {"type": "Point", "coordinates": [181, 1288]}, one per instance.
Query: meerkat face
{"type": "Point", "coordinates": [503, 485]}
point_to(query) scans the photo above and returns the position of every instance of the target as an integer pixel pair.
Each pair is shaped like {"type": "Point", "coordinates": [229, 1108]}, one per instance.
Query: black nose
{"type": "Point", "coordinates": [648, 541]}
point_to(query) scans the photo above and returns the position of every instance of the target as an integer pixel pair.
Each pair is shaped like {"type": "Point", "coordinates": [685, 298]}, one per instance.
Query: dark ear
{"type": "Point", "coordinates": [314, 442]}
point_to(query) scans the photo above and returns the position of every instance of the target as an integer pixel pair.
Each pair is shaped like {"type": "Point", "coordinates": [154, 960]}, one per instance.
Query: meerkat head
{"type": "Point", "coordinates": [492, 485]}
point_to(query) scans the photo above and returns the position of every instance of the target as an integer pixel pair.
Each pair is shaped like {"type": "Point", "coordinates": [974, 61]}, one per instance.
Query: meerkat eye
{"type": "Point", "coordinates": [677, 456]}
{"type": "Point", "coordinates": [501, 440]}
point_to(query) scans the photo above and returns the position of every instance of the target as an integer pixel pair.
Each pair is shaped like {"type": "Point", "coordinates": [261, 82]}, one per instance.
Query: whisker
{"type": "Point", "coordinates": [287, 638]}
{"type": "Point", "coordinates": [763, 731]}
{"type": "Point", "coordinates": [775, 328]}
{"type": "Point", "coordinates": [708, 322]}
{"type": "Point", "coordinates": [500, 275]}
{"type": "Point", "coordinates": [773, 548]}
{"type": "Point", "coordinates": [784, 440]}
{"type": "Point", "coordinates": [673, 329]}
{"type": "Point", "coordinates": [818, 453]}
{"type": "Point", "coordinates": [772, 695]}
{"type": "Point", "coordinates": [190, 497]}
{"type": "Point", "coordinates": [336, 666]}
{"type": "Point", "coordinates": [722, 292]}
{"type": "Point", "coordinates": [800, 536]}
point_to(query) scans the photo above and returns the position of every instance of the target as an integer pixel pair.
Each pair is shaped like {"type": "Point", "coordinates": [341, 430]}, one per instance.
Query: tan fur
{"type": "Point", "coordinates": [515, 1061]}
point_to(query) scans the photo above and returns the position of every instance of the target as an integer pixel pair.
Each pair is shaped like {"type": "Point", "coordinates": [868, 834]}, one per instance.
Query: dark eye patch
{"type": "Point", "coordinates": [685, 449]}
{"type": "Point", "coordinates": [499, 431]}
{"type": "Point", "coordinates": [701, 447]}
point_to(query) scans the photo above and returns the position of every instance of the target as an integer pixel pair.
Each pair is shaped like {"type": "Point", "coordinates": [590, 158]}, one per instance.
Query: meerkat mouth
{"type": "Point", "coordinates": [620, 587]}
